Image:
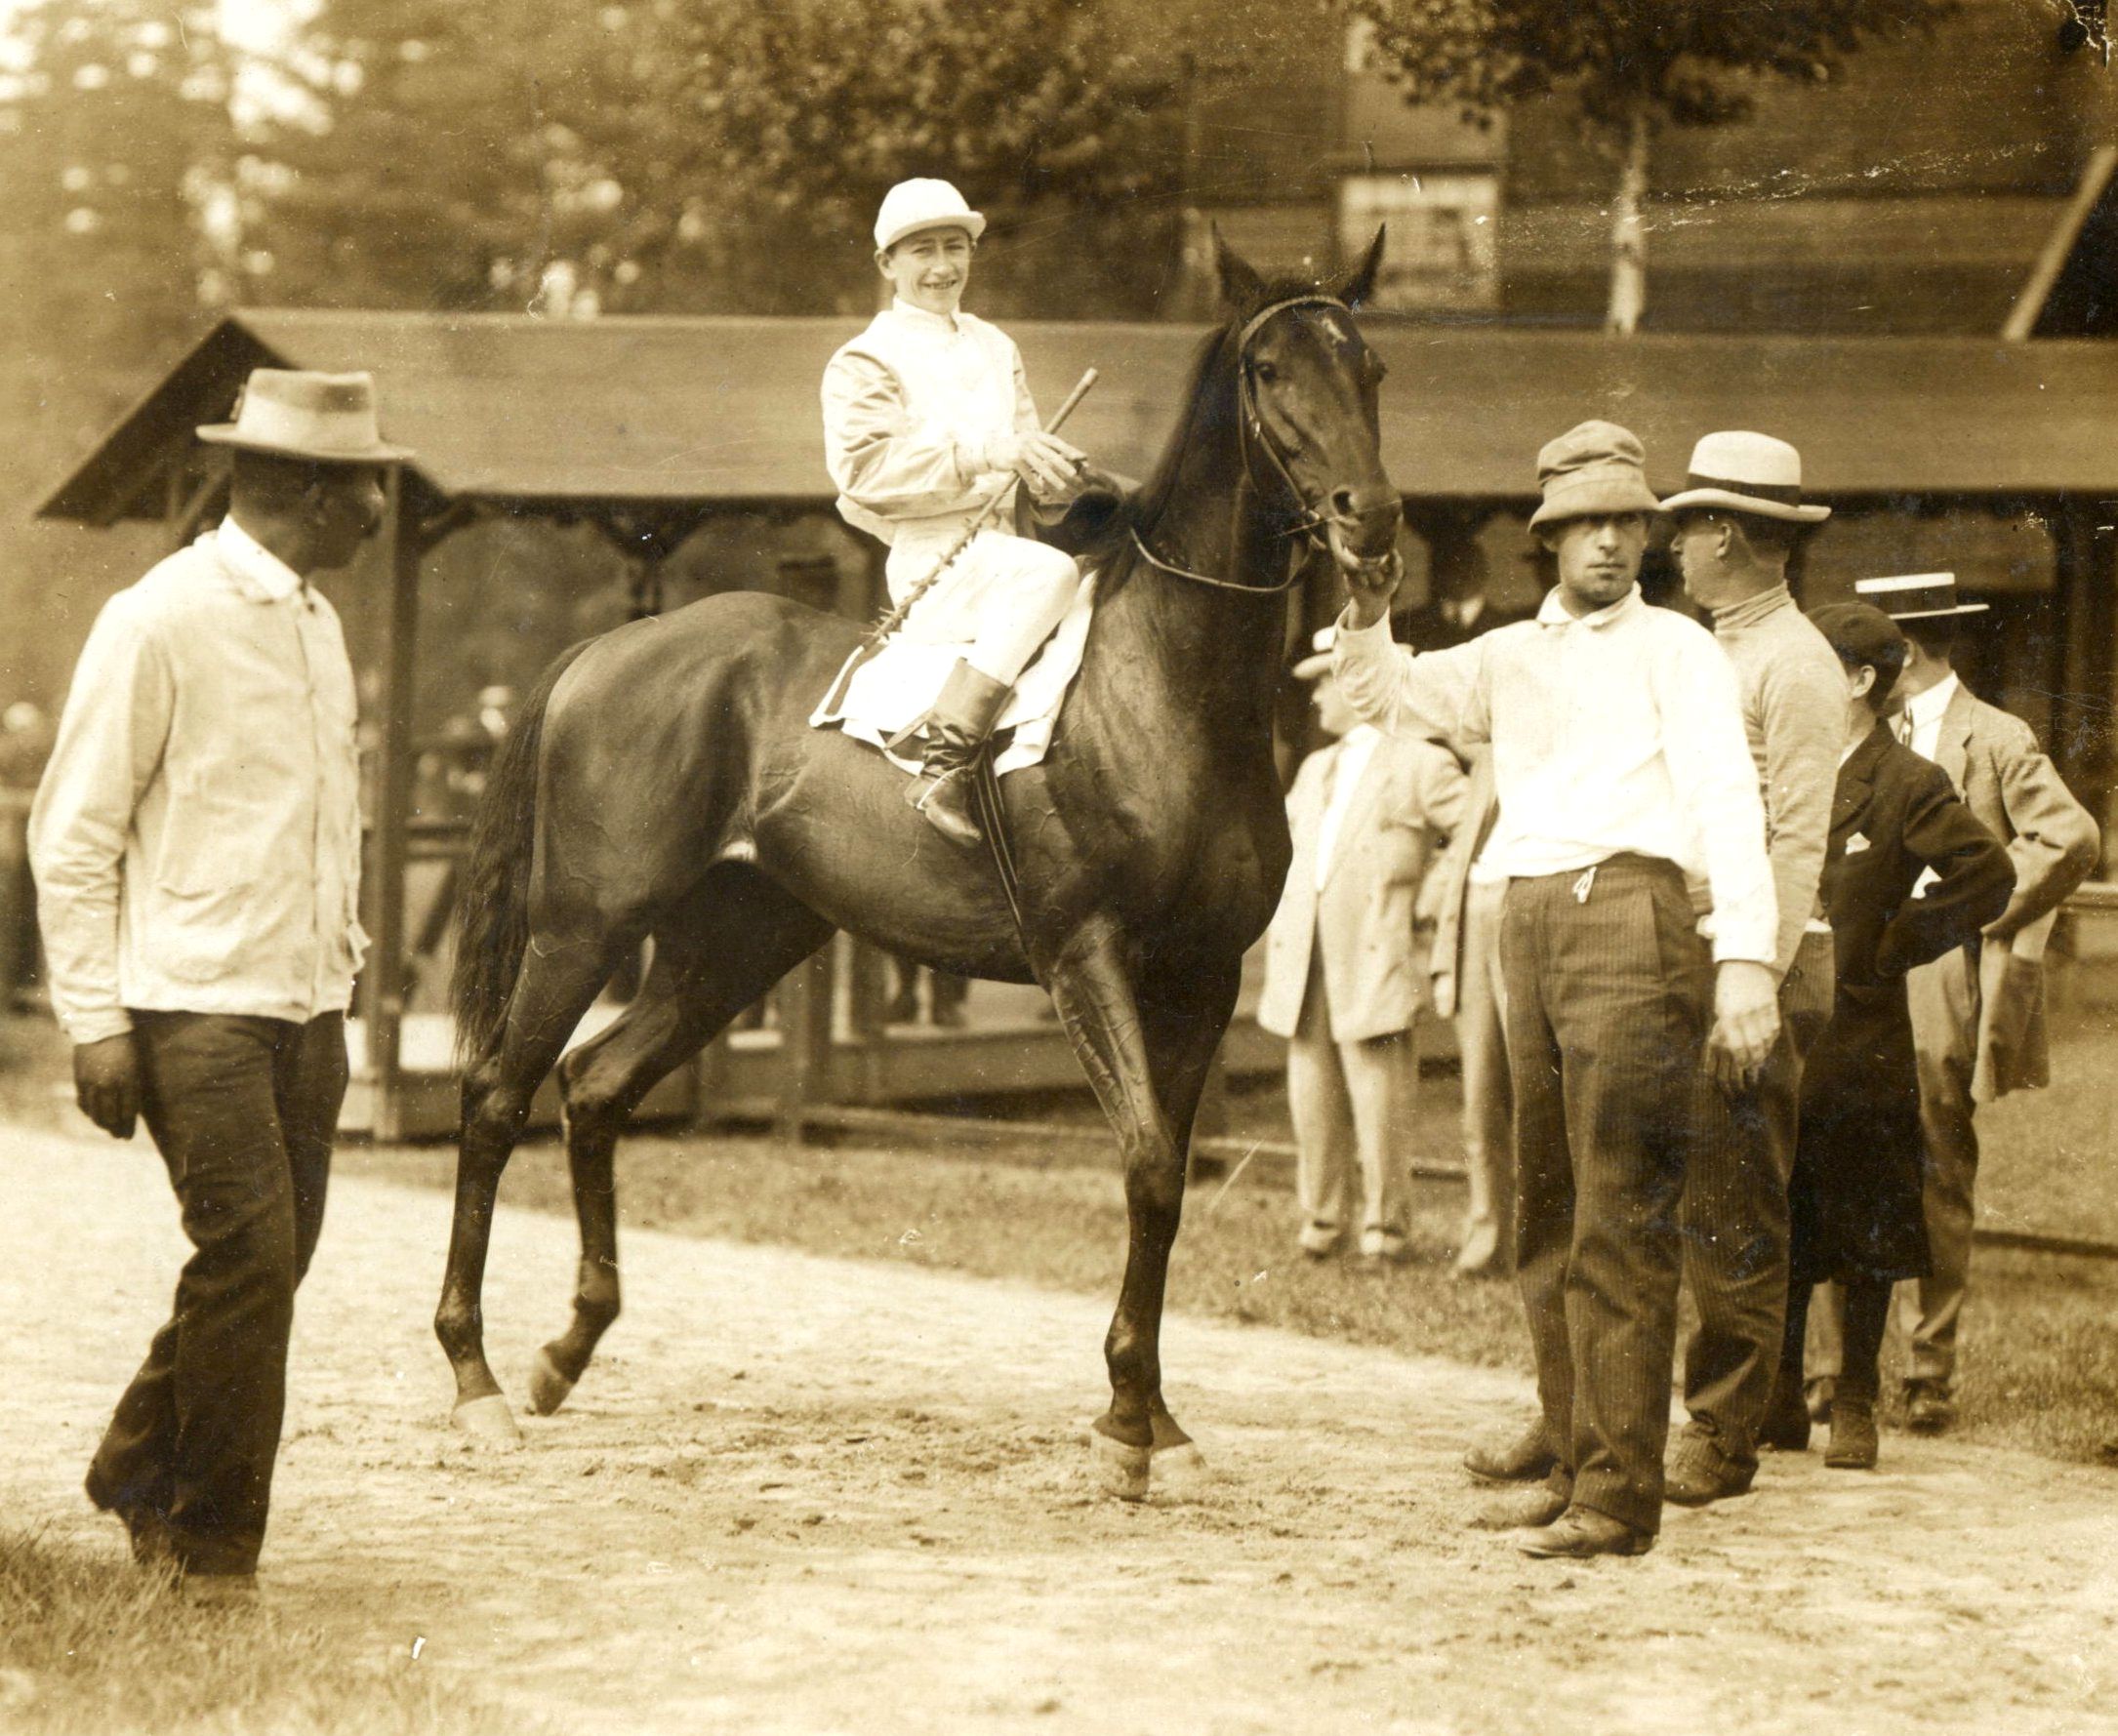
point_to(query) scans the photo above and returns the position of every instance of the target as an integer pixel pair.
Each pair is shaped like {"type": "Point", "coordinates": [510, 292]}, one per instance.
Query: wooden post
{"type": "Point", "coordinates": [804, 1003]}
{"type": "Point", "coordinates": [381, 987]}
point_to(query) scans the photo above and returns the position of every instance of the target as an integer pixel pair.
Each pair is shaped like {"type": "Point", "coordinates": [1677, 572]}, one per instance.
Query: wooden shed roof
{"type": "Point", "coordinates": [675, 410]}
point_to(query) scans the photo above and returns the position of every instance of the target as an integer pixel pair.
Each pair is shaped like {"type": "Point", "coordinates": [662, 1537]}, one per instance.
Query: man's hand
{"type": "Point", "coordinates": [1047, 464]}
{"type": "Point", "coordinates": [107, 1084]}
{"type": "Point", "coordinates": [1746, 1021]}
{"type": "Point", "coordinates": [1369, 588]}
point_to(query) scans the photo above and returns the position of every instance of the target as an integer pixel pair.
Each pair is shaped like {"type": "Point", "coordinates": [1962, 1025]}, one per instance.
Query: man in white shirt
{"type": "Point", "coordinates": [926, 418]}
{"type": "Point", "coordinates": [196, 841]}
{"type": "Point", "coordinates": [1621, 766]}
{"type": "Point", "coordinates": [1342, 961]}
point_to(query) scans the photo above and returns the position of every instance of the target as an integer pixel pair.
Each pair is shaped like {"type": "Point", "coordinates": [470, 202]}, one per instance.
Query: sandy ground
{"type": "Point", "coordinates": [806, 1495]}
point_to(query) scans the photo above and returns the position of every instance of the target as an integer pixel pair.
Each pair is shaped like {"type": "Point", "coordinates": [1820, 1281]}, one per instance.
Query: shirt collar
{"type": "Point", "coordinates": [261, 573]}
{"type": "Point", "coordinates": [1752, 610]}
{"type": "Point", "coordinates": [1926, 707]}
{"type": "Point", "coordinates": [944, 324]}
{"type": "Point", "coordinates": [1552, 611]}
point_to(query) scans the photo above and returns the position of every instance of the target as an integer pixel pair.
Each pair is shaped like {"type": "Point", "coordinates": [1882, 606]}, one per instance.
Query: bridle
{"type": "Point", "coordinates": [1254, 439]}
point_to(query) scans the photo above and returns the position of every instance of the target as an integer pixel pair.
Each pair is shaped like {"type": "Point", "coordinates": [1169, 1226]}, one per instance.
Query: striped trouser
{"type": "Point", "coordinates": [1610, 996]}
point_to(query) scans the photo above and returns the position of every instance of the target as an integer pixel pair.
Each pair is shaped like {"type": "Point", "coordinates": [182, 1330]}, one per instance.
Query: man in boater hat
{"type": "Point", "coordinates": [926, 418]}
{"type": "Point", "coordinates": [196, 841]}
{"type": "Point", "coordinates": [1737, 521]}
{"type": "Point", "coordinates": [1978, 1013]}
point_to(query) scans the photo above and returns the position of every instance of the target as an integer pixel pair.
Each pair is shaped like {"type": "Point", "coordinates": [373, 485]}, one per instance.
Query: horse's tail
{"type": "Point", "coordinates": [492, 930]}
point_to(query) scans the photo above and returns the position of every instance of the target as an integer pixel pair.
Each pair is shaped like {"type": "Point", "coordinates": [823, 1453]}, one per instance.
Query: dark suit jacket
{"type": "Point", "coordinates": [1856, 1196]}
{"type": "Point", "coordinates": [1993, 759]}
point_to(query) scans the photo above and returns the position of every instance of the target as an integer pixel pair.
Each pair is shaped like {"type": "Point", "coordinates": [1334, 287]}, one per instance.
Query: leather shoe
{"type": "Point", "coordinates": [1522, 1460]}
{"type": "Point", "coordinates": [1786, 1425]}
{"type": "Point", "coordinates": [1928, 1407]}
{"type": "Point", "coordinates": [1525, 1510]}
{"type": "Point", "coordinates": [1699, 1472]}
{"type": "Point", "coordinates": [1582, 1532]}
{"type": "Point", "coordinates": [1853, 1436]}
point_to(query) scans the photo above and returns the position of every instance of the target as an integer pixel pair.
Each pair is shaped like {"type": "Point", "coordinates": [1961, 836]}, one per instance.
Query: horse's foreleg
{"type": "Point", "coordinates": [1092, 987]}
{"type": "Point", "coordinates": [554, 988]}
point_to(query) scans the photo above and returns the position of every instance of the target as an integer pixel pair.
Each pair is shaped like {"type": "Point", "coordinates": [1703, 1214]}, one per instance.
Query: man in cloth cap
{"type": "Point", "coordinates": [196, 841]}
{"type": "Point", "coordinates": [926, 418]}
{"type": "Point", "coordinates": [1737, 521]}
{"type": "Point", "coordinates": [1622, 771]}
{"type": "Point", "coordinates": [1978, 1012]}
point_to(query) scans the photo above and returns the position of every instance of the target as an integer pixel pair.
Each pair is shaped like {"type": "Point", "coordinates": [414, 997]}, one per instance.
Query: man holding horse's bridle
{"type": "Point", "coordinates": [927, 419]}
{"type": "Point", "coordinates": [196, 841]}
{"type": "Point", "coordinates": [1629, 803]}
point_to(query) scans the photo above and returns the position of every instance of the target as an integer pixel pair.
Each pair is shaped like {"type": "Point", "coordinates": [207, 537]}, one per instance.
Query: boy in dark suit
{"type": "Point", "coordinates": [1909, 874]}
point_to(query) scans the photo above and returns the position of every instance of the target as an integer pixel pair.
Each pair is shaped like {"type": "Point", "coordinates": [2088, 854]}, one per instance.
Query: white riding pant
{"type": "Point", "coordinates": [1001, 597]}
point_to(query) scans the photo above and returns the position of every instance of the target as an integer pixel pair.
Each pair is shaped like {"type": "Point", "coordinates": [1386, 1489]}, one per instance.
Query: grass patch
{"type": "Point", "coordinates": [88, 1647]}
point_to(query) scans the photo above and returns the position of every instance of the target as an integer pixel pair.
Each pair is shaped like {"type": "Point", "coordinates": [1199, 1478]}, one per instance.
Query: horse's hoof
{"type": "Point", "coordinates": [1181, 1471]}
{"type": "Point", "coordinates": [1120, 1469]}
{"type": "Point", "coordinates": [547, 1387]}
{"type": "Point", "coordinates": [487, 1421]}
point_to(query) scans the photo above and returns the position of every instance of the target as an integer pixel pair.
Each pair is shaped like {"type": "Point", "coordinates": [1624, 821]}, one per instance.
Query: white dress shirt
{"type": "Point", "coordinates": [908, 408]}
{"type": "Point", "coordinates": [1351, 756]}
{"type": "Point", "coordinates": [196, 836]}
{"type": "Point", "coordinates": [1618, 731]}
{"type": "Point", "coordinates": [1925, 711]}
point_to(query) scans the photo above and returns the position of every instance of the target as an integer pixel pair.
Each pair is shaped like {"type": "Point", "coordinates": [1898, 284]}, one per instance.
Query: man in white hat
{"type": "Point", "coordinates": [1623, 773]}
{"type": "Point", "coordinates": [1342, 968]}
{"type": "Point", "coordinates": [927, 417]}
{"type": "Point", "coordinates": [1978, 1013]}
{"type": "Point", "coordinates": [196, 841]}
{"type": "Point", "coordinates": [1737, 521]}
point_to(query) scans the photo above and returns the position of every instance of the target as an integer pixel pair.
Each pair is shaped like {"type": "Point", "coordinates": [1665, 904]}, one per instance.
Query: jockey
{"type": "Point", "coordinates": [927, 417]}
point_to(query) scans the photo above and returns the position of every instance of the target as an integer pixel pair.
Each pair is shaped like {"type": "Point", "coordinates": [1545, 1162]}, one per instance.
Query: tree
{"type": "Point", "coordinates": [1631, 65]}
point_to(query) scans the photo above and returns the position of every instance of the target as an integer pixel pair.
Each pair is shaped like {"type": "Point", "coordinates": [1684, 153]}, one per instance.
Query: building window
{"type": "Point", "coordinates": [1442, 252]}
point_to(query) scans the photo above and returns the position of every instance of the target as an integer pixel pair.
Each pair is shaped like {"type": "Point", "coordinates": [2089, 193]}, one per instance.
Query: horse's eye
{"type": "Point", "coordinates": [1265, 372]}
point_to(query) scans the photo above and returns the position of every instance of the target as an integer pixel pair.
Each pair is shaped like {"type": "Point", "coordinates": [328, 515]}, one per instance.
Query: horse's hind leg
{"type": "Point", "coordinates": [556, 984]}
{"type": "Point", "coordinates": [712, 958]}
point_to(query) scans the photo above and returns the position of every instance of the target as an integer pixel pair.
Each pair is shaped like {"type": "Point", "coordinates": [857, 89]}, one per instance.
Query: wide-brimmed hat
{"type": "Point", "coordinates": [1739, 472]}
{"type": "Point", "coordinates": [1915, 596]}
{"type": "Point", "coordinates": [923, 204]}
{"type": "Point", "coordinates": [325, 418]}
{"type": "Point", "coordinates": [1862, 635]}
{"type": "Point", "coordinates": [1319, 661]}
{"type": "Point", "coordinates": [1590, 470]}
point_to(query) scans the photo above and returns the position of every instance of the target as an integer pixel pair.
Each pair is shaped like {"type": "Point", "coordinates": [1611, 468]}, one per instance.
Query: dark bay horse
{"type": "Point", "coordinates": [662, 779]}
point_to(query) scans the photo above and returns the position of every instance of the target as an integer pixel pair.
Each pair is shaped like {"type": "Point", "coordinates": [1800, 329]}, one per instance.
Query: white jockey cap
{"type": "Point", "coordinates": [922, 204]}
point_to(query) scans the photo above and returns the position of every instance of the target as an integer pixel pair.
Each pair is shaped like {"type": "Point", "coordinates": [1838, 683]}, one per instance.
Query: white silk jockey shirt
{"type": "Point", "coordinates": [196, 836]}
{"type": "Point", "coordinates": [907, 407]}
{"type": "Point", "coordinates": [1617, 731]}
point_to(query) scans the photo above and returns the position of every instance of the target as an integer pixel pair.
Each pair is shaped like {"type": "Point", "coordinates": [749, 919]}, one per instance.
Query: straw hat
{"type": "Point", "coordinates": [1915, 596]}
{"type": "Point", "coordinates": [1741, 471]}
{"type": "Point", "coordinates": [323, 417]}
{"type": "Point", "coordinates": [1319, 661]}
{"type": "Point", "coordinates": [923, 204]}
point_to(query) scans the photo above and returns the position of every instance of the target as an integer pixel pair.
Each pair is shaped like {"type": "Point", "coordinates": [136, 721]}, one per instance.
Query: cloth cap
{"type": "Point", "coordinates": [1741, 471]}
{"type": "Point", "coordinates": [1591, 471]}
{"type": "Point", "coordinates": [324, 418]}
{"type": "Point", "coordinates": [1319, 661]}
{"type": "Point", "coordinates": [1915, 596]}
{"type": "Point", "coordinates": [1862, 635]}
{"type": "Point", "coordinates": [922, 204]}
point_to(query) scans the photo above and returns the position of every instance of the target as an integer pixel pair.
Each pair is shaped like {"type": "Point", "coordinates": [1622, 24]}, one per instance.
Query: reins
{"type": "Point", "coordinates": [1252, 435]}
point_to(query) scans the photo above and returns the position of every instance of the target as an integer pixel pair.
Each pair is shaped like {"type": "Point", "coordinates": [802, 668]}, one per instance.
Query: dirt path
{"type": "Point", "coordinates": [809, 1495]}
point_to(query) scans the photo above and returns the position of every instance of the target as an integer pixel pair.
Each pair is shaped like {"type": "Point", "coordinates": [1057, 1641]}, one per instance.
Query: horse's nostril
{"type": "Point", "coordinates": [1342, 503]}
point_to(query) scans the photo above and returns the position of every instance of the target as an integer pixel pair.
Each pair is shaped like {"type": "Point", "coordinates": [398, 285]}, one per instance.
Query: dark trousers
{"type": "Point", "coordinates": [244, 1111]}
{"type": "Point", "coordinates": [1609, 995]}
{"type": "Point", "coordinates": [1735, 1218]}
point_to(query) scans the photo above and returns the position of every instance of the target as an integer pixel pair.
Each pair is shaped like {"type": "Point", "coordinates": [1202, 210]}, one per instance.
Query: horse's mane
{"type": "Point", "coordinates": [1210, 394]}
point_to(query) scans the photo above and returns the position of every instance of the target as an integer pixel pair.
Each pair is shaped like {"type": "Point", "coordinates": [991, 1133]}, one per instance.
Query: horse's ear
{"type": "Point", "coordinates": [1359, 283]}
{"type": "Point", "coordinates": [1240, 286]}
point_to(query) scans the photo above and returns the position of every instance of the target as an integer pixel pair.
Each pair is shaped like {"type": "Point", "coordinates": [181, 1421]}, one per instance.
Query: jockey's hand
{"type": "Point", "coordinates": [1046, 464]}
{"type": "Point", "coordinates": [106, 1083]}
{"type": "Point", "coordinates": [1746, 1023]}
{"type": "Point", "coordinates": [1370, 586]}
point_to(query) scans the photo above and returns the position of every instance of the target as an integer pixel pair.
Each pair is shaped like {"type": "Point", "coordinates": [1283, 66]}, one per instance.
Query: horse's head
{"type": "Point", "coordinates": [1307, 383]}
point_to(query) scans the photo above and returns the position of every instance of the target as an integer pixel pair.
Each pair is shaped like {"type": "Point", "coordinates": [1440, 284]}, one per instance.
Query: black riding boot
{"type": "Point", "coordinates": [962, 720]}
